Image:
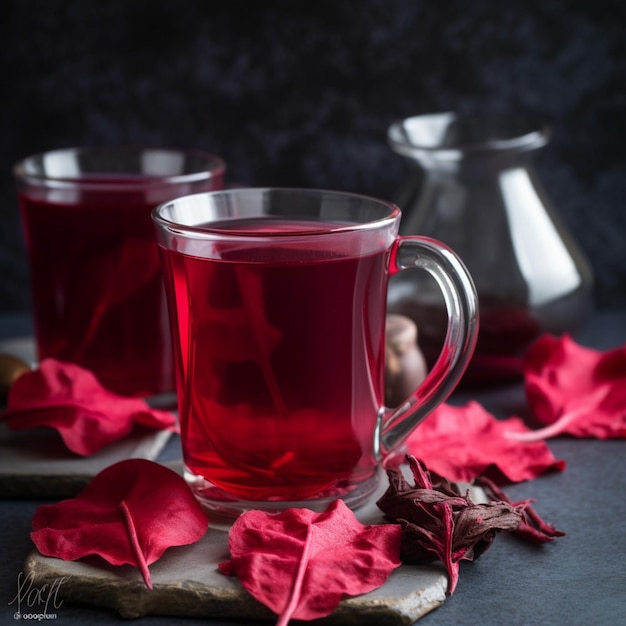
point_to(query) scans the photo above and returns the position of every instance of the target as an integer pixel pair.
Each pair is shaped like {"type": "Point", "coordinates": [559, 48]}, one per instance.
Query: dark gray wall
{"type": "Point", "coordinates": [301, 93]}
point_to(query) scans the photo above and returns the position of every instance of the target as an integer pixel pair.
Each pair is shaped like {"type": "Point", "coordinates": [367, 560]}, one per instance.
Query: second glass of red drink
{"type": "Point", "coordinates": [97, 290]}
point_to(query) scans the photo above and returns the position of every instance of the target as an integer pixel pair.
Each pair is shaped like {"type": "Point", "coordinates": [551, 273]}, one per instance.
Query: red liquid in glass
{"type": "Point", "coordinates": [97, 286]}
{"type": "Point", "coordinates": [280, 353]}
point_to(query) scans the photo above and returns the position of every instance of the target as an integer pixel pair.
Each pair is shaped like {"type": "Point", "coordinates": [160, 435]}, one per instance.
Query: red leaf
{"type": "Point", "coordinates": [461, 443]}
{"type": "Point", "coordinates": [300, 563]}
{"type": "Point", "coordinates": [70, 399]}
{"type": "Point", "coordinates": [575, 390]}
{"type": "Point", "coordinates": [130, 513]}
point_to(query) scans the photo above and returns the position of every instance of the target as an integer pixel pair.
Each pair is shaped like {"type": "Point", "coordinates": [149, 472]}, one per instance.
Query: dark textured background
{"type": "Point", "coordinates": [301, 93]}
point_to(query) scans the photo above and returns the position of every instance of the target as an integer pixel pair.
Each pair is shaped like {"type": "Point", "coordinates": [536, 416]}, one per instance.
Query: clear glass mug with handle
{"type": "Point", "coordinates": [277, 301]}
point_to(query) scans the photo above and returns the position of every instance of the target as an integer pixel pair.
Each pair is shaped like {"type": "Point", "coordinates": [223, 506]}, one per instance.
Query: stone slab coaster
{"type": "Point", "coordinates": [186, 583]}
{"type": "Point", "coordinates": [36, 464]}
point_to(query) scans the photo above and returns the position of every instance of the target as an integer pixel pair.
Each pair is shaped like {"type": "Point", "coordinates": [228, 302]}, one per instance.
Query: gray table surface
{"type": "Point", "coordinates": [578, 579]}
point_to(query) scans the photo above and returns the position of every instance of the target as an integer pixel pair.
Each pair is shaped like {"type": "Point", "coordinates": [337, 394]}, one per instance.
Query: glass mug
{"type": "Point", "coordinates": [98, 297]}
{"type": "Point", "coordinates": [277, 300]}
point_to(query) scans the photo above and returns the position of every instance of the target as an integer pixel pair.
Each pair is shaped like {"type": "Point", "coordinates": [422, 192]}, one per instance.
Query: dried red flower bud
{"type": "Point", "coordinates": [532, 527]}
{"type": "Point", "coordinates": [439, 523]}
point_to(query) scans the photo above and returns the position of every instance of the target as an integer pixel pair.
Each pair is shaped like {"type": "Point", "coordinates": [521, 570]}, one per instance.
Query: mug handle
{"type": "Point", "coordinates": [461, 301]}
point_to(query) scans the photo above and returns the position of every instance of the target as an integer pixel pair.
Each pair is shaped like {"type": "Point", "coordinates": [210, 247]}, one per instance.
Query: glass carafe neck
{"type": "Point", "coordinates": [451, 143]}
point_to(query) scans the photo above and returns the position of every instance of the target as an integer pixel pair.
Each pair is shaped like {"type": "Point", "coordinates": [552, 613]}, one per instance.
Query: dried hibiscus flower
{"type": "Point", "coordinates": [439, 523]}
{"type": "Point", "coordinates": [575, 390]}
{"type": "Point", "coordinates": [532, 527]}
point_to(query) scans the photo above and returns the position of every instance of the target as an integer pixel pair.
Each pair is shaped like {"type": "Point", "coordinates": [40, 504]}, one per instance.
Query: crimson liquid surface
{"type": "Point", "coordinates": [97, 287]}
{"type": "Point", "coordinates": [280, 353]}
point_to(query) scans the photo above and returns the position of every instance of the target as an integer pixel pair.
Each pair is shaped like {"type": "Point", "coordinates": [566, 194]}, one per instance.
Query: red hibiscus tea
{"type": "Point", "coordinates": [95, 271]}
{"type": "Point", "coordinates": [270, 413]}
{"type": "Point", "coordinates": [277, 300]}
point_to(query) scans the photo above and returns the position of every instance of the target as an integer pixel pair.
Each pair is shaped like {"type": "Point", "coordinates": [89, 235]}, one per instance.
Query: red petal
{"type": "Point", "coordinates": [300, 563]}
{"type": "Point", "coordinates": [130, 513]}
{"type": "Point", "coordinates": [70, 399]}
{"type": "Point", "coordinates": [461, 443]}
{"type": "Point", "coordinates": [575, 390]}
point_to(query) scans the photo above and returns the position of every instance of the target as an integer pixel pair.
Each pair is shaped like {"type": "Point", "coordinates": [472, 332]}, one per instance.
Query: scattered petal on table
{"type": "Point", "coordinates": [575, 390]}
{"type": "Point", "coordinates": [300, 563]}
{"type": "Point", "coordinates": [69, 398]}
{"type": "Point", "coordinates": [461, 443]}
{"type": "Point", "coordinates": [130, 513]}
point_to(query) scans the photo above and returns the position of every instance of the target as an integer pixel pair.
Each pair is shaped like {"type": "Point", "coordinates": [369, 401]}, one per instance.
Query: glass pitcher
{"type": "Point", "coordinates": [473, 186]}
